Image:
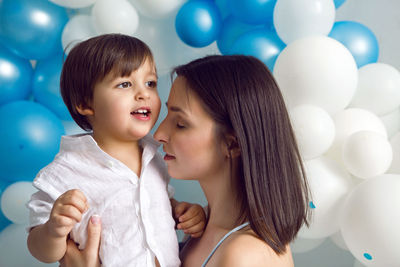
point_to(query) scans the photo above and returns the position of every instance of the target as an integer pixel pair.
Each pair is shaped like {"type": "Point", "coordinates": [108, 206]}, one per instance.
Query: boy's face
{"type": "Point", "coordinates": [125, 108]}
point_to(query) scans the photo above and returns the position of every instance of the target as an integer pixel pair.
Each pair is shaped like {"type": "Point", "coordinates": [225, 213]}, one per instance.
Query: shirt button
{"type": "Point", "coordinates": [110, 164]}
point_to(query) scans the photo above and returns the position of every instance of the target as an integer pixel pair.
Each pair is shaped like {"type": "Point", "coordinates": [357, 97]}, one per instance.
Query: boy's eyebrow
{"type": "Point", "coordinates": [175, 109]}
{"type": "Point", "coordinates": [152, 73]}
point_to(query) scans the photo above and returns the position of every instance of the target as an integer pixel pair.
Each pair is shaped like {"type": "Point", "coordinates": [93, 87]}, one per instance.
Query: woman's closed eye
{"type": "Point", "coordinates": [180, 126]}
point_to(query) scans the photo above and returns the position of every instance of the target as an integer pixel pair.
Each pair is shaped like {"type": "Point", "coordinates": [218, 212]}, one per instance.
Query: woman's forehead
{"type": "Point", "coordinates": [185, 100]}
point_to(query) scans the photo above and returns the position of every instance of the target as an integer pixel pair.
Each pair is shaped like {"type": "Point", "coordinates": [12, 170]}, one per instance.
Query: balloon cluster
{"type": "Point", "coordinates": [344, 105]}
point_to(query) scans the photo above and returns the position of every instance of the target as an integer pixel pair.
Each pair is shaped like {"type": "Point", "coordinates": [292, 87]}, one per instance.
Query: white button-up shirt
{"type": "Point", "coordinates": [137, 223]}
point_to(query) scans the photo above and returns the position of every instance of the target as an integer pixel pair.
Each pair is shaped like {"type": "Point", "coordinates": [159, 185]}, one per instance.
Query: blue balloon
{"type": "Point", "coordinates": [253, 11]}
{"type": "Point", "coordinates": [198, 23]}
{"type": "Point", "coordinates": [358, 39]}
{"type": "Point", "coordinates": [15, 76]}
{"type": "Point", "coordinates": [32, 28]}
{"type": "Point", "coordinates": [263, 44]}
{"type": "Point", "coordinates": [338, 3]}
{"type": "Point", "coordinates": [4, 222]}
{"type": "Point", "coordinates": [46, 86]}
{"type": "Point", "coordinates": [223, 6]}
{"type": "Point", "coordinates": [230, 31]}
{"type": "Point", "coordinates": [29, 139]}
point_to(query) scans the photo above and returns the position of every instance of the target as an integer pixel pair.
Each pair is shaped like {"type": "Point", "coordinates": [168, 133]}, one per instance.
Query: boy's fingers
{"type": "Point", "coordinates": [78, 200]}
{"type": "Point", "coordinates": [181, 208]}
{"type": "Point", "coordinates": [193, 222]}
{"type": "Point", "coordinates": [194, 229]}
{"type": "Point", "coordinates": [70, 212]}
{"type": "Point", "coordinates": [191, 213]}
{"type": "Point", "coordinates": [75, 198]}
{"type": "Point", "coordinates": [197, 235]}
{"type": "Point", "coordinates": [94, 233]}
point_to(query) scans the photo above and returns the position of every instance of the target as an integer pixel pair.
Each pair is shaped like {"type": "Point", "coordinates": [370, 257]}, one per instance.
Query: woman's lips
{"type": "Point", "coordinates": [168, 157]}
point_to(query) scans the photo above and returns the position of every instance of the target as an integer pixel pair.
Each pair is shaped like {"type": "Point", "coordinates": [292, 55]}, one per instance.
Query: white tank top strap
{"type": "Point", "coordinates": [222, 240]}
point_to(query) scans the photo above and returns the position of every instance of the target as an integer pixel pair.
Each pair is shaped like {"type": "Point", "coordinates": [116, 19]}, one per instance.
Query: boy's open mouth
{"type": "Point", "coordinates": [142, 112]}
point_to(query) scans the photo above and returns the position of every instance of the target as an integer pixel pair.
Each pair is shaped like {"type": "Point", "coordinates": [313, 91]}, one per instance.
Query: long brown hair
{"type": "Point", "coordinates": [242, 96]}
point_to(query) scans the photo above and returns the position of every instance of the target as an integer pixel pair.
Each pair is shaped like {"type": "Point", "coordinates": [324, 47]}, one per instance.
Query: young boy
{"type": "Point", "coordinates": [109, 84]}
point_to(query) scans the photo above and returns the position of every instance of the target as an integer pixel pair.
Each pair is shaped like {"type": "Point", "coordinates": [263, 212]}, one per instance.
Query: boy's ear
{"type": "Point", "coordinates": [232, 146]}
{"type": "Point", "coordinates": [85, 111]}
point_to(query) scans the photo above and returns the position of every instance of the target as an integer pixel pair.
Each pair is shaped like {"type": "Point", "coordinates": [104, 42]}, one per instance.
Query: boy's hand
{"type": "Point", "coordinates": [191, 218]}
{"type": "Point", "coordinates": [66, 212]}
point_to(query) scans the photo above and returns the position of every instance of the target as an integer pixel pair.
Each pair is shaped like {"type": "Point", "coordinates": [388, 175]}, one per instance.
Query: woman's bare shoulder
{"type": "Point", "coordinates": [246, 249]}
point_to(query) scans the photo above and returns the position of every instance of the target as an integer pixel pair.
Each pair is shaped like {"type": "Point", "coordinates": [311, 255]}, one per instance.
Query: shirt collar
{"type": "Point", "coordinates": [86, 144]}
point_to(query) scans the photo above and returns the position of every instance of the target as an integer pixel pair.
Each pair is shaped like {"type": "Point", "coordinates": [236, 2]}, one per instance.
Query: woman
{"type": "Point", "coordinates": [227, 127]}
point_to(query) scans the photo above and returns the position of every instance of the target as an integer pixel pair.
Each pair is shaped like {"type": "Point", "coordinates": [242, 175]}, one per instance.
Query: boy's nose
{"type": "Point", "coordinates": [141, 94]}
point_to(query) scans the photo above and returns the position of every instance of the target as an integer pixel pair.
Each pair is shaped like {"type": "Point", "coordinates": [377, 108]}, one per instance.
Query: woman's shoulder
{"type": "Point", "coordinates": [246, 249]}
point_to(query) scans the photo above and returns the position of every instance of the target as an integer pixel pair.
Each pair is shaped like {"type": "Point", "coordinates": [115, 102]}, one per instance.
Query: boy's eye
{"type": "Point", "coordinates": [180, 126]}
{"type": "Point", "coordinates": [151, 84]}
{"type": "Point", "coordinates": [124, 85]}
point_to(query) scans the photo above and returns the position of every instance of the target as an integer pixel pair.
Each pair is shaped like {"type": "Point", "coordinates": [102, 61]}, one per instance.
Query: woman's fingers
{"type": "Point", "coordinates": [89, 257]}
{"type": "Point", "coordinates": [93, 241]}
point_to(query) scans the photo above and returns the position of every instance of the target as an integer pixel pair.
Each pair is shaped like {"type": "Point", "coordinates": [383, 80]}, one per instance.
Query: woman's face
{"type": "Point", "coordinates": [188, 136]}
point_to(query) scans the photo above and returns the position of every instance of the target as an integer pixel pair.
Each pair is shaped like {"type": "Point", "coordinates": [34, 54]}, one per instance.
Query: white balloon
{"type": "Point", "coordinates": [74, 3]}
{"type": "Point", "coordinates": [14, 251]}
{"type": "Point", "coordinates": [156, 9]}
{"type": "Point", "coordinates": [371, 219]}
{"type": "Point", "coordinates": [329, 184]}
{"type": "Point", "coordinates": [350, 121]}
{"type": "Point", "coordinates": [314, 130]}
{"type": "Point", "coordinates": [301, 245]}
{"type": "Point", "coordinates": [317, 71]}
{"type": "Point", "coordinates": [118, 16]}
{"type": "Point", "coordinates": [395, 142]}
{"type": "Point", "coordinates": [367, 154]}
{"type": "Point", "coordinates": [378, 88]}
{"type": "Point", "coordinates": [79, 28]}
{"type": "Point", "coordinates": [338, 240]}
{"type": "Point", "coordinates": [295, 19]}
{"type": "Point", "coordinates": [391, 122]}
{"type": "Point", "coordinates": [13, 201]}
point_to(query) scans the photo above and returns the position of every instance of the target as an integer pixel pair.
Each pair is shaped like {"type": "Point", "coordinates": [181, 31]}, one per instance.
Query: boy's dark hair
{"type": "Point", "coordinates": [90, 61]}
{"type": "Point", "coordinates": [242, 96]}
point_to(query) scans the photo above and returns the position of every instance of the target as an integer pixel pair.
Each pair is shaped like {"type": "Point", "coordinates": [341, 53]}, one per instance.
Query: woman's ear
{"type": "Point", "coordinates": [85, 111]}
{"type": "Point", "coordinates": [232, 146]}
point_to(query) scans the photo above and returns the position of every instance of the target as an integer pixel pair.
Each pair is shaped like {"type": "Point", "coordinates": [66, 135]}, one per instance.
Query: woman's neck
{"type": "Point", "coordinates": [221, 194]}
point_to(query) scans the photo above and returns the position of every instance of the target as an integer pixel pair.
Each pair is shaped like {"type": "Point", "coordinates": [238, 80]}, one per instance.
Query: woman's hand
{"type": "Point", "coordinates": [89, 257]}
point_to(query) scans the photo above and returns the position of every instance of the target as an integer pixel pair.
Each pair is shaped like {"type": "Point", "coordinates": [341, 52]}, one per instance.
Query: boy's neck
{"type": "Point", "coordinates": [128, 152]}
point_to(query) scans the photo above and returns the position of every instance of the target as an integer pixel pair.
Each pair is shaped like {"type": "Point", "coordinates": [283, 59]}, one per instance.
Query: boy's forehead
{"type": "Point", "coordinates": [121, 69]}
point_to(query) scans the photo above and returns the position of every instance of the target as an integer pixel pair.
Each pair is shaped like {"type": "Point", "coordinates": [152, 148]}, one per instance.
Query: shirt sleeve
{"type": "Point", "coordinates": [39, 207]}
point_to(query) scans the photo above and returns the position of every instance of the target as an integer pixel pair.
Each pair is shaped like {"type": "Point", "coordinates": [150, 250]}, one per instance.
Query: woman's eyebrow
{"type": "Point", "coordinates": [175, 109]}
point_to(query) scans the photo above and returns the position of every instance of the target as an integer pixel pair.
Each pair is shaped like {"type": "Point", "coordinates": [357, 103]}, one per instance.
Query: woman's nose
{"type": "Point", "coordinates": [160, 135]}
